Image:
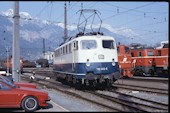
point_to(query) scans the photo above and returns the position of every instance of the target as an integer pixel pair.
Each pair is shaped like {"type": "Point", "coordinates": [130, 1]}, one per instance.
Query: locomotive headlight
{"type": "Point", "coordinates": [87, 63]}
{"type": "Point", "coordinates": [101, 56]}
{"type": "Point", "coordinates": [113, 62]}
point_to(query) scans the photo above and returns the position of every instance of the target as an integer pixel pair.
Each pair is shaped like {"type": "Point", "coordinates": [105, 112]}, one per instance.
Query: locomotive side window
{"type": "Point", "coordinates": [108, 44]}
{"type": "Point", "coordinates": [66, 49]}
{"type": "Point", "coordinates": [69, 48]}
{"type": "Point", "coordinates": [75, 46]}
{"type": "Point", "coordinates": [88, 44]}
{"type": "Point", "coordinates": [159, 53]}
{"type": "Point", "coordinates": [140, 53]}
{"type": "Point", "coordinates": [56, 53]}
{"type": "Point", "coordinates": [150, 53]}
{"type": "Point", "coordinates": [61, 51]}
{"type": "Point", "coordinates": [132, 54]}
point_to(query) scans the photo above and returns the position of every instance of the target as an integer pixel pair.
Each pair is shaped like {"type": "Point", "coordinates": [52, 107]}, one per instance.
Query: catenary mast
{"type": "Point", "coordinates": [65, 21]}
{"type": "Point", "coordinates": [15, 47]}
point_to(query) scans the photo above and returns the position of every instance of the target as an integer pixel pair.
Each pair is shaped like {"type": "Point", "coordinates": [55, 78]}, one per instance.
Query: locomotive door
{"type": "Point", "coordinates": [75, 48]}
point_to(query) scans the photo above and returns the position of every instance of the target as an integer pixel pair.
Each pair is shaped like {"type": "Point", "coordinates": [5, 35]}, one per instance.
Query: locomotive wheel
{"type": "Point", "coordinates": [78, 85]}
{"type": "Point", "coordinates": [151, 72]}
{"type": "Point", "coordinates": [108, 83]}
{"type": "Point", "coordinates": [93, 83]}
{"type": "Point", "coordinates": [138, 72]}
{"type": "Point", "coordinates": [74, 81]}
{"type": "Point", "coordinates": [67, 79]}
{"type": "Point", "coordinates": [87, 82]}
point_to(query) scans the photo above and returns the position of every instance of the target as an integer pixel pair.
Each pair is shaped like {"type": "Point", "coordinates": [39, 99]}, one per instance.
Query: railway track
{"type": "Point", "coordinates": [118, 85]}
{"type": "Point", "coordinates": [132, 103]}
{"type": "Point", "coordinates": [121, 101]}
{"type": "Point", "coordinates": [141, 88]}
{"type": "Point", "coordinates": [135, 99]}
{"type": "Point", "coordinates": [153, 79]}
{"type": "Point", "coordinates": [136, 78]}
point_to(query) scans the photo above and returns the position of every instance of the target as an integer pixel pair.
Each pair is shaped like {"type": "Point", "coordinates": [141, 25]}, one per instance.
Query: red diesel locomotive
{"type": "Point", "coordinates": [124, 60]}
{"type": "Point", "coordinates": [161, 58]}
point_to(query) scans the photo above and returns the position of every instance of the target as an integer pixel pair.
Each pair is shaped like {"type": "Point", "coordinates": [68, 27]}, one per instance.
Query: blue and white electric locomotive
{"type": "Point", "coordinates": [87, 58]}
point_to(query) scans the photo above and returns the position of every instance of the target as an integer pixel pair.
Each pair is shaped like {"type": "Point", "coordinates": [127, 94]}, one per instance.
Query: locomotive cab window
{"type": "Point", "coordinates": [117, 49]}
{"type": "Point", "coordinates": [166, 45]}
{"type": "Point", "coordinates": [127, 50]}
{"type": "Point", "coordinates": [108, 44]}
{"type": "Point", "coordinates": [140, 53]}
{"type": "Point", "coordinates": [88, 44]}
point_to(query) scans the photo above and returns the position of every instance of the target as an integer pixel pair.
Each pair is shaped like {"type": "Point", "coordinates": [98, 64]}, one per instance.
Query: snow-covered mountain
{"type": "Point", "coordinates": [33, 30]}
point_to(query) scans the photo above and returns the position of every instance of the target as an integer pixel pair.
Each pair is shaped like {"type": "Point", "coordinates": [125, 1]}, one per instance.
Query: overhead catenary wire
{"type": "Point", "coordinates": [150, 33]}
{"type": "Point", "coordinates": [144, 25]}
{"type": "Point", "coordinates": [135, 10]}
{"type": "Point", "coordinates": [38, 15]}
{"type": "Point", "coordinates": [76, 2]}
{"type": "Point", "coordinates": [92, 5]}
{"type": "Point", "coordinates": [128, 11]}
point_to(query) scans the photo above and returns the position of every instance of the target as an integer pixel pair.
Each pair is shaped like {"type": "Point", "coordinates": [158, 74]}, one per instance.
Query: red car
{"type": "Point", "coordinates": [4, 78]}
{"type": "Point", "coordinates": [29, 99]}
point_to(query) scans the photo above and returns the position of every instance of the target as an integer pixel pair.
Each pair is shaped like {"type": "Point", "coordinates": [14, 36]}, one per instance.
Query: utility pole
{"type": "Point", "coordinates": [65, 21]}
{"type": "Point", "coordinates": [43, 48]}
{"type": "Point", "coordinates": [7, 57]}
{"type": "Point", "coordinates": [7, 61]}
{"type": "Point", "coordinates": [15, 47]}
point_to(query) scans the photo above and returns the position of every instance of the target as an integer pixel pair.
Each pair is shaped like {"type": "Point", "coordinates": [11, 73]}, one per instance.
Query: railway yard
{"type": "Point", "coordinates": [135, 94]}
{"type": "Point", "coordinates": [97, 69]}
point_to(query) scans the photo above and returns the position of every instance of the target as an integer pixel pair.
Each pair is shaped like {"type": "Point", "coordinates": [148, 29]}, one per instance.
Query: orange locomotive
{"type": "Point", "coordinates": [124, 60]}
{"type": "Point", "coordinates": [161, 58]}
{"type": "Point", "coordinates": [4, 65]}
{"type": "Point", "coordinates": [143, 61]}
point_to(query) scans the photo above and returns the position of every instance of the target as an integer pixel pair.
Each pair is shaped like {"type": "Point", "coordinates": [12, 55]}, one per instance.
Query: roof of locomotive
{"type": "Point", "coordinates": [81, 34]}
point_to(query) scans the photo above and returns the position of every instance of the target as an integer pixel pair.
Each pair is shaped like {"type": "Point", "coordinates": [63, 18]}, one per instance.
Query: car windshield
{"type": "Point", "coordinates": [10, 84]}
{"type": "Point", "coordinates": [4, 78]}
